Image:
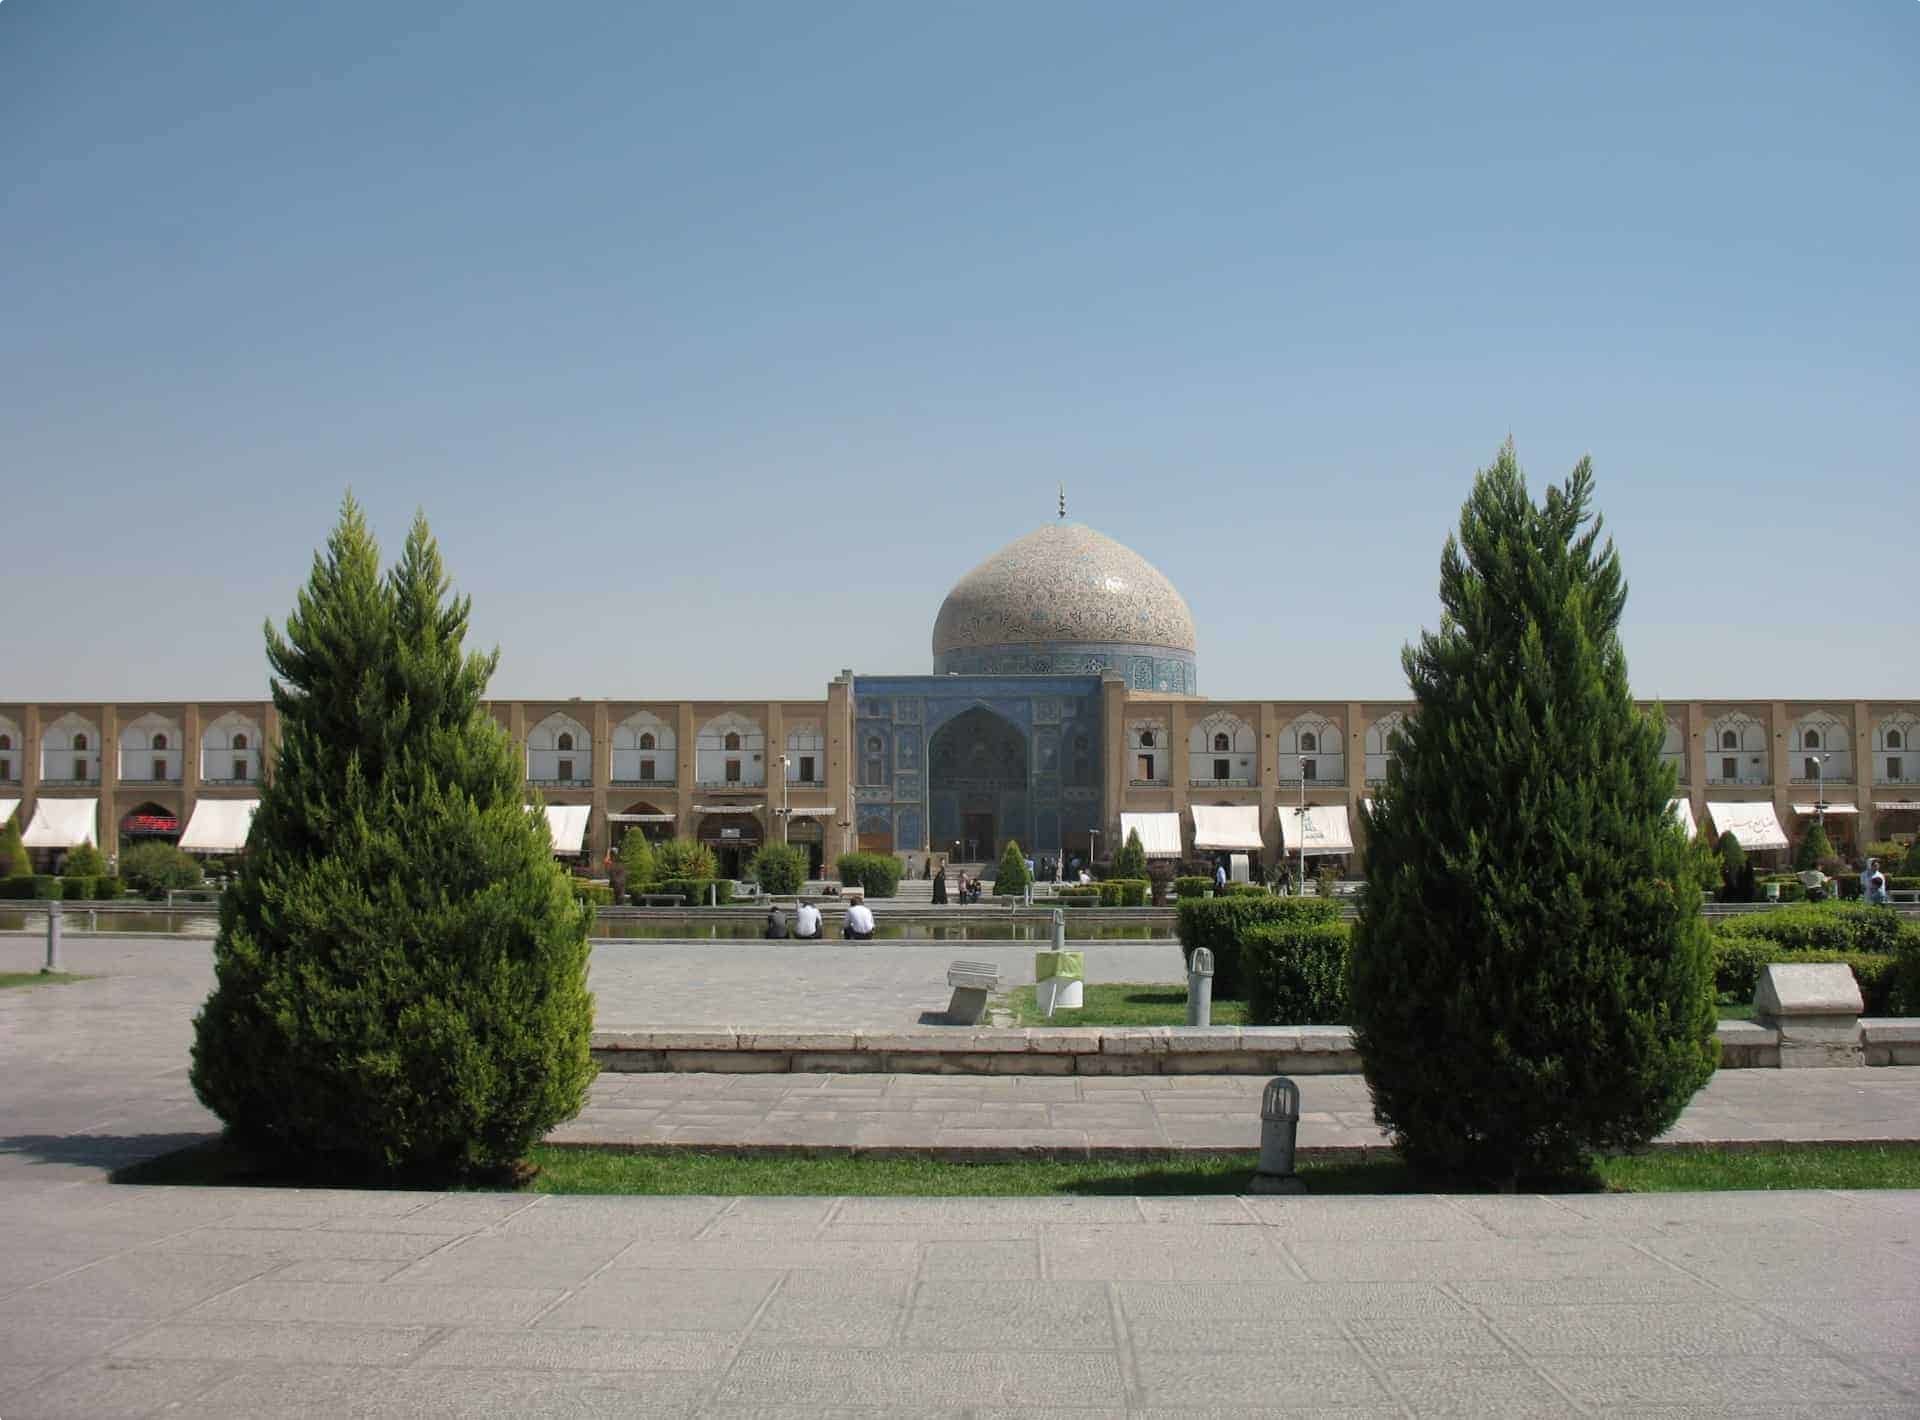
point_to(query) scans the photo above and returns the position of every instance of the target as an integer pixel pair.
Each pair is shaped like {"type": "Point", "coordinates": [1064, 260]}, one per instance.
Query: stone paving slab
{"type": "Point", "coordinates": [993, 1116]}
{"type": "Point", "coordinates": [1794, 1303]}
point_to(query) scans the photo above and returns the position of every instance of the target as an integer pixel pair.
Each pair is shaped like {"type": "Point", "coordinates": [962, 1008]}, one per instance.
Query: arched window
{"type": "Point", "coordinates": [1308, 743]}
{"type": "Point", "coordinates": [1146, 739]}
{"type": "Point", "coordinates": [873, 744]}
{"type": "Point", "coordinates": [564, 742]}
{"type": "Point", "coordinates": [733, 740]}
{"type": "Point", "coordinates": [160, 741]}
{"type": "Point", "coordinates": [1811, 739]}
{"type": "Point", "coordinates": [1893, 740]}
{"type": "Point", "coordinates": [1729, 740]}
{"type": "Point", "coordinates": [1222, 743]}
{"type": "Point", "coordinates": [80, 742]}
{"type": "Point", "coordinates": [646, 741]}
{"type": "Point", "coordinates": [6, 741]}
{"type": "Point", "coordinates": [240, 741]}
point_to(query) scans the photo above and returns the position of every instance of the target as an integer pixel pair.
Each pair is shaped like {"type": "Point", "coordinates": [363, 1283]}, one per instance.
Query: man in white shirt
{"type": "Point", "coordinates": [806, 920]}
{"type": "Point", "coordinates": [859, 922]}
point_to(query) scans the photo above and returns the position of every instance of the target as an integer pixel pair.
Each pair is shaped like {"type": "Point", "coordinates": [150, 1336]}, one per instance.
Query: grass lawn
{"type": "Point", "coordinates": [36, 978]}
{"type": "Point", "coordinates": [1123, 1003]}
{"type": "Point", "coordinates": [603, 1171]}
{"type": "Point", "coordinates": [1735, 1010]}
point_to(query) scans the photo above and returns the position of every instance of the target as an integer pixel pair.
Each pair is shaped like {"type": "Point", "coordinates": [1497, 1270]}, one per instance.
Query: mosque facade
{"type": "Point", "coordinates": [1063, 709]}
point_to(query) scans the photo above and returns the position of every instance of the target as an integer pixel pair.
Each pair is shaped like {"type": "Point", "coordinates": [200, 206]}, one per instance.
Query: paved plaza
{"type": "Point", "coordinates": [117, 1300]}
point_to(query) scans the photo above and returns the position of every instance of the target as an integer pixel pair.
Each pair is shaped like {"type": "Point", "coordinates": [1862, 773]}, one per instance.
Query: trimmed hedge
{"type": "Point", "coordinates": [1296, 973]}
{"type": "Point", "coordinates": [47, 888]}
{"type": "Point", "coordinates": [1738, 962]}
{"type": "Point", "coordinates": [17, 888]}
{"type": "Point", "coordinates": [1090, 896]}
{"type": "Point", "coordinates": [1825, 927]}
{"type": "Point", "coordinates": [877, 874]}
{"type": "Point", "coordinates": [1123, 892]}
{"type": "Point", "coordinates": [779, 868]}
{"type": "Point", "coordinates": [1220, 923]}
{"type": "Point", "coordinates": [1191, 887]}
{"type": "Point", "coordinates": [593, 894]}
{"type": "Point", "coordinates": [1244, 890]}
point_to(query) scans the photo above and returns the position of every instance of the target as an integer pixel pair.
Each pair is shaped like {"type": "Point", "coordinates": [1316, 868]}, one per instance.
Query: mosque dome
{"type": "Point", "coordinates": [1065, 599]}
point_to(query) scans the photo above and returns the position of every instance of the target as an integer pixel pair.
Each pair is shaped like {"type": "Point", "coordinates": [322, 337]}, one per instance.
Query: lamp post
{"type": "Point", "coordinates": [1303, 827]}
{"type": "Point", "coordinates": [785, 787]}
{"type": "Point", "coordinates": [1820, 791]}
{"type": "Point", "coordinates": [1093, 847]}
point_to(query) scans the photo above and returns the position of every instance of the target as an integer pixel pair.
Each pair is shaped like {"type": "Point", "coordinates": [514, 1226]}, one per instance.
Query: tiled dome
{"type": "Point", "coordinates": [1068, 587]}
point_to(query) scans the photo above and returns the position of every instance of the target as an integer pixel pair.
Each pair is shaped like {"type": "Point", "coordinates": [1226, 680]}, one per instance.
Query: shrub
{"type": "Point", "coordinates": [1218, 924]}
{"type": "Point", "coordinates": [401, 968]}
{"type": "Point", "coordinates": [1012, 876]}
{"type": "Point", "coordinates": [1903, 883]}
{"type": "Point", "coordinates": [106, 889]}
{"type": "Point", "coordinates": [636, 857]}
{"type": "Point", "coordinates": [591, 893]}
{"type": "Point", "coordinates": [1192, 886]}
{"type": "Point", "coordinates": [1736, 873]}
{"type": "Point", "coordinates": [1326, 879]}
{"type": "Point", "coordinates": [1791, 888]}
{"type": "Point", "coordinates": [779, 868]}
{"type": "Point", "coordinates": [699, 892]}
{"type": "Point", "coordinates": [1131, 860]}
{"type": "Point", "coordinates": [86, 861]}
{"type": "Point", "coordinates": [877, 874]}
{"type": "Point", "coordinates": [1531, 976]}
{"type": "Point", "coordinates": [1814, 849]}
{"type": "Point", "coordinates": [1088, 896]}
{"type": "Point", "coordinates": [1825, 927]}
{"type": "Point", "coordinates": [77, 889]}
{"type": "Point", "coordinates": [1123, 892]}
{"type": "Point", "coordinates": [17, 887]}
{"type": "Point", "coordinates": [156, 868]}
{"type": "Point", "coordinates": [1739, 960]}
{"type": "Point", "coordinates": [1912, 865]}
{"type": "Point", "coordinates": [682, 858]}
{"type": "Point", "coordinates": [1296, 973]}
{"type": "Point", "coordinates": [13, 853]}
{"type": "Point", "coordinates": [47, 888]}
{"type": "Point", "coordinates": [1244, 890]}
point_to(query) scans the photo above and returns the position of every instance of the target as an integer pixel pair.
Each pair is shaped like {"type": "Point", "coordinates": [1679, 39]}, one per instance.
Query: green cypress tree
{"type": "Point", "coordinates": [86, 861]}
{"type": "Point", "coordinates": [1912, 865]}
{"type": "Point", "coordinates": [13, 853]}
{"type": "Point", "coordinates": [1531, 979]}
{"type": "Point", "coordinates": [1815, 848]}
{"type": "Point", "coordinates": [1131, 860]}
{"type": "Point", "coordinates": [1736, 873]}
{"type": "Point", "coordinates": [637, 856]}
{"type": "Point", "coordinates": [400, 972]}
{"type": "Point", "coordinates": [1012, 876]}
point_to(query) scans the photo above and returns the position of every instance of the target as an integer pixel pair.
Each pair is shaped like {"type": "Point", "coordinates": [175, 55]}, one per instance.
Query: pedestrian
{"type": "Point", "coordinates": [776, 927]}
{"type": "Point", "coordinates": [1873, 884]}
{"type": "Point", "coordinates": [806, 922]}
{"type": "Point", "coordinates": [859, 923]}
{"type": "Point", "coordinates": [1219, 877]}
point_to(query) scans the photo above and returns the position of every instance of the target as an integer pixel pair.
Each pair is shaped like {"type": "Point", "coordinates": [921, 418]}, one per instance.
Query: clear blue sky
{"type": "Point", "coordinates": [717, 341]}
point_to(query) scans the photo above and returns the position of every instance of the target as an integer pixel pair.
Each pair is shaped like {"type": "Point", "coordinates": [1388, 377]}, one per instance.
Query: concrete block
{"type": "Point", "coordinates": [1807, 989]}
{"type": "Point", "coordinates": [1748, 1045]}
{"type": "Point", "coordinates": [1104, 1064]}
{"type": "Point", "coordinates": [793, 1040]}
{"type": "Point", "coordinates": [1317, 1062]}
{"type": "Point", "coordinates": [890, 1042]}
{"type": "Point", "coordinates": [630, 1062]}
{"type": "Point", "coordinates": [1323, 1039]}
{"type": "Point", "coordinates": [1239, 1062]}
{"type": "Point", "coordinates": [981, 1042]}
{"type": "Point", "coordinates": [1816, 1008]}
{"type": "Point", "coordinates": [1070, 1041]}
{"type": "Point", "coordinates": [837, 1062]}
{"type": "Point", "coordinates": [1027, 1063]}
{"type": "Point", "coordinates": [1270, 1038]}
{"type": "Point", "coordinates": [1136, 1040]}
{"type": "Point", "coordinates": [728, 1062]}
{"type": "Point", "coordinates": [1203, 1040]}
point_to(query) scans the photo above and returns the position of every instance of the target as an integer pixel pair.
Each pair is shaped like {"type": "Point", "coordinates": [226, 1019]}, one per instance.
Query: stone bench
{"type": "Point", "coordinates": [660, 899]}
{"type": "Point", "coordinates": [972, 981]}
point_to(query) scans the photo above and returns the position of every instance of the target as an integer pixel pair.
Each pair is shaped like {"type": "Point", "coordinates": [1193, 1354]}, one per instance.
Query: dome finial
{"type": "Point", "coordinates": [1063, 500]}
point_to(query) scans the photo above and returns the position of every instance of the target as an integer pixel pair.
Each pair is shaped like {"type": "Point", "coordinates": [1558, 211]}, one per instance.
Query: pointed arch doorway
{"type": "Point", "coordinates": [978, 781]}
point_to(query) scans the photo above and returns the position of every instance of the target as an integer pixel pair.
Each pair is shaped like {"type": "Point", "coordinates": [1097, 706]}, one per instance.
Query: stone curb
{"type": "Point", "coordinates": [1114, 1050]}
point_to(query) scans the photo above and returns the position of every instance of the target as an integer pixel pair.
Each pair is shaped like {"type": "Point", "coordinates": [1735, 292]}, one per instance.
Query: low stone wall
{"type": "Point", "coordinates": [1114, 1050]}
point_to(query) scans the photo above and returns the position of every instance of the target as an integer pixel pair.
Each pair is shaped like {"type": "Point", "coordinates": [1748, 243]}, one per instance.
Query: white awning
{"type": "Point", "coordinates": [7, 806]}
{"type": "Point", "coordinates": [1896, 805]}
{"type": "Point", "coordinates": [61, 823]}
{"type": "Point", "coordinates": [567, 823]}
{"type": "Point", "coordinates": [1326, 829]}
{"type": "Point", "coordinates": [1159, 833]}
{"type": "Point", "coordinates": [1229, 827]}
{"type": "Point", "coordinates": [726, 808]}
{"type": "Point", "coordinates": [812, 811]}
{"type": "Point", "coordinates": [639, 818]}
{"type": "Point", "coordinates": [1809, 810]}
{"type": "Point", "coordinates": [1682, 811]}
{"type": "Point", "coordinates": [1755, 827]}
{"type": "Point", "coordinates": [219, 825]}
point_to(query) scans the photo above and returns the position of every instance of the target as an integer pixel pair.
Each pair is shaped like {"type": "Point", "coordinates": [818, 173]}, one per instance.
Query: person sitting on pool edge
{"type": "Point", "coordinates": [859, 924]}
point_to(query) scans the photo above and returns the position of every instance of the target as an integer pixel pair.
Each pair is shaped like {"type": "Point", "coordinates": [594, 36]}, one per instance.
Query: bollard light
{"type": "Point", "coordinates": [1279, 1126]}
{"type": "Point", "coordinates": [1200, 987]}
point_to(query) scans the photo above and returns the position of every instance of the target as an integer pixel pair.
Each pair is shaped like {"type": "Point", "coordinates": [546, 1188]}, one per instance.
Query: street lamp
{"type": "Point", "coordinates": [784, 810]}
{"type": "Point", "coordinates": [1093, 847]}
{"type": "Point", "coordinates": [1303, 827]}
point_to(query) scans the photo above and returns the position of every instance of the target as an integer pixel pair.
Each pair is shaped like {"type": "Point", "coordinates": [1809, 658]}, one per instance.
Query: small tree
{"type": "Point", "coordinates": [636, 856]}
{"type": "Point", "coordinates": [1815, 848]}
{"type": "Point", "coordinates": [1736, 873]}
{"type": "Point", "coordinates": [86, 861]}
{"type": "Point", "coordinates": [1531, 976]}
{"type": "Point", "coordinates": [679, 858]}
{"type": "Point", "coordinates": [1131, 860]}
{"type": "Point", "coordinates": [401, 967]}
{"type": "Point", "coordinates": [1913, 860]}
{"type": "Point", "coordinates": [779, 868]}
{"type": "Point", "coordinates": [155, 868]}
{"type": "Point", "coordinates": [1012, 876]}
{"type": "Point", "coordinates": [13, 853]}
